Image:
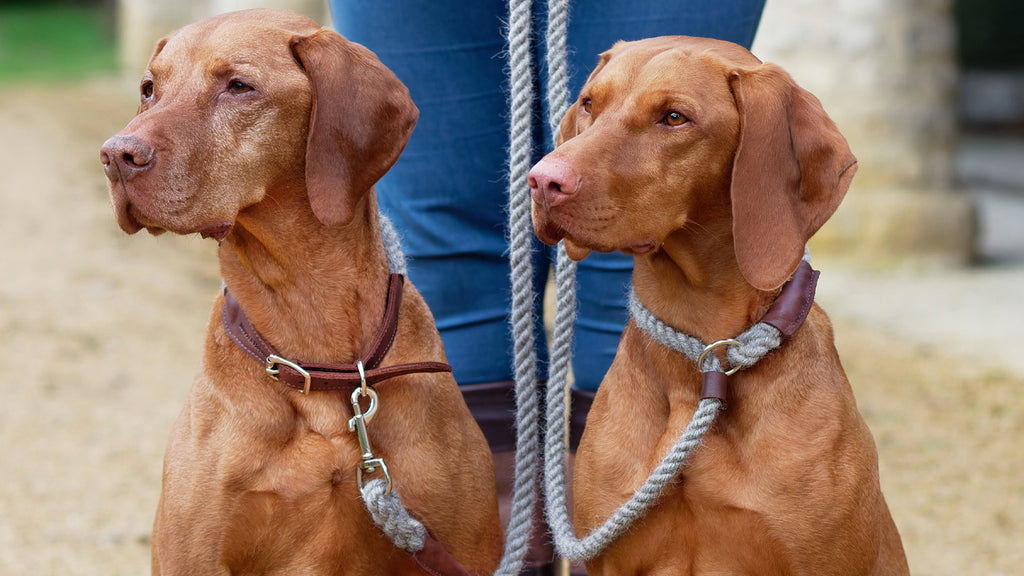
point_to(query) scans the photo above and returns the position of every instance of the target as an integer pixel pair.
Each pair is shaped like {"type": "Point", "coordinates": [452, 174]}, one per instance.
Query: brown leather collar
{"type": "Point", "coordinates": [793, 303]}
{"type": "Point", "coordinates": [320, 377]}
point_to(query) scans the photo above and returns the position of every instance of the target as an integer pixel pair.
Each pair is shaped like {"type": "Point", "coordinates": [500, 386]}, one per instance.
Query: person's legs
{"type": "Point", "coordinates": [446, 195]}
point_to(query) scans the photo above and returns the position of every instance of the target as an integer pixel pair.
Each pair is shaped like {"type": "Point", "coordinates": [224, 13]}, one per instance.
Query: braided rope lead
{"type": "Point", "coordinates": [555, 448]}
{"type": "Point", "coordinates": [556, 439]}
{"type": "Point", "coordinates": [558, 64]}
{"type": "Point", "coordinates": [520, 527]}
{"type": "Point", "coordinates": [390, 515]}
{"type": "Point", "coordinates": [755, 343]}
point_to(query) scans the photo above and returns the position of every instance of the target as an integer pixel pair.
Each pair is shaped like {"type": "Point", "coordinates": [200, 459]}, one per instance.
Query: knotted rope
{"type": "Point", "coordinates": [755, 342]}
{"type": "Point", "coordinates": [390, 515]}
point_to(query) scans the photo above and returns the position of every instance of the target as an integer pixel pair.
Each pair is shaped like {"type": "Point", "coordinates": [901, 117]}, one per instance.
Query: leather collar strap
{"type": "Point", "coordinates": [793, 303]}
{"type": "Point", "coordinates": [321, 377]}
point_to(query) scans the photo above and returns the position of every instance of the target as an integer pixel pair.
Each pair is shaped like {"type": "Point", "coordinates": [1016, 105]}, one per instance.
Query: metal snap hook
{"type": "Point", "coordinates": [371, 466]}
{"type": "Point", "coordinates": [358, 424]}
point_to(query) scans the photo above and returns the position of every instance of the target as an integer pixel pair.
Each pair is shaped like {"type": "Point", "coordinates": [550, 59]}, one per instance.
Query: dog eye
{"type": "Point", "coordinates": [146, 89]}
{"type": "Point", "coordinates": [674, 118]}
{"type": "Point", "coordinates": [238, 87]}
{"type": "Point", "coordinates": [588, 105]}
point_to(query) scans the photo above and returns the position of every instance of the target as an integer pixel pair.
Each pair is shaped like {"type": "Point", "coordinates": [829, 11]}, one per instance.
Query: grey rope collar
{"type": "Point", "coordinates": [786, 314]}
{"type": "Point", "coordinates": [781, 321]}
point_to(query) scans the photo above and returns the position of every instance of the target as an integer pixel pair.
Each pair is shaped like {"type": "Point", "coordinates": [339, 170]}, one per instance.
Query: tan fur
{"type": "Point", "coordinates": [716, 211]}
{"type": "Point", "coordinates": [257, 477]}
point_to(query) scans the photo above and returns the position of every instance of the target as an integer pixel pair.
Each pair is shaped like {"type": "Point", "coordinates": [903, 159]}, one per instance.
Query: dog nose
{"type": "Point", "coordinates": [552, 182]}
{"type": "Point", "coordinates": [125, 157]}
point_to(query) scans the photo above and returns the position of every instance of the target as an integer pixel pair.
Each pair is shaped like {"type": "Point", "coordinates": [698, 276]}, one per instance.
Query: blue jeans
{"type": "Point", "coordinates": [447, 194]}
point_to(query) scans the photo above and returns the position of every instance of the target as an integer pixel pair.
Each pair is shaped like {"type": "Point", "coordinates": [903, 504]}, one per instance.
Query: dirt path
{"type": "Point", "coordinates": [101, 335]}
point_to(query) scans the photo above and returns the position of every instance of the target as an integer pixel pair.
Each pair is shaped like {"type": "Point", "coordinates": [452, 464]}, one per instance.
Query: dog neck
{"type": "Point", "coordinates": [693, 284]}
{"type": "Point", "coordinates": [316, 292]}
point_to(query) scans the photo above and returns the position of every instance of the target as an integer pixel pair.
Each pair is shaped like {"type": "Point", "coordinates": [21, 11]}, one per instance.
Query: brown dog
{"type": "Point", "coordinates": [267, 132]}
{"type": "Point", "coordinates": [713, 170]}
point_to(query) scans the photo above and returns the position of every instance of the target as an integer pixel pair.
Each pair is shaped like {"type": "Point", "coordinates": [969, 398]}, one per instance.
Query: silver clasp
{"type": "Point", "coordinates": [358, 424]}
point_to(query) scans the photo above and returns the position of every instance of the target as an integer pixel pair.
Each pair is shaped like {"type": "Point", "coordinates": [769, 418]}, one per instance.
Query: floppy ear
{"type": "Point", "coordinates": [791, 171]}
{"type": "Point", "coordinates": [361, 120]}
{"type": "Point", "coordinates": [567, 129]}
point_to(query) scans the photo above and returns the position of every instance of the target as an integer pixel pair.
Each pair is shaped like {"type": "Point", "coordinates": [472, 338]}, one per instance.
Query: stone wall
{"type": "Point", "coordinates": [142, 22]}
{"type": "Point", "coordinates": [885, 71]}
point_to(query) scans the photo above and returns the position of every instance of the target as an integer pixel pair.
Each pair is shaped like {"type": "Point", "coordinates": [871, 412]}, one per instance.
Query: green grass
{"type": "Point", "coordinates": [49, 41]}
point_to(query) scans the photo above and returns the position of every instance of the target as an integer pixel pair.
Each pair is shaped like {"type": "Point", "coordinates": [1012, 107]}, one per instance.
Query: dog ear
{"type": "Point", "coordinates": [567, 129]}
{"type": "Point", "coordinates": [361, 120]}
{"type": "Point", "coordinates": [791, 171]}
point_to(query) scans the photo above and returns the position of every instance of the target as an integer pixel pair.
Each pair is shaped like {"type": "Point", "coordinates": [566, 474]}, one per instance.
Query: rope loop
{"type": "Point", "coordinates": [390, 515]}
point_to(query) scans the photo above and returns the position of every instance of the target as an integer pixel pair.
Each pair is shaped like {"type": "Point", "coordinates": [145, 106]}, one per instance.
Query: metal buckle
{"type": "Point", "coordinates": [272, 362]}
{"type": "Point", "coordinates": [712, 346]}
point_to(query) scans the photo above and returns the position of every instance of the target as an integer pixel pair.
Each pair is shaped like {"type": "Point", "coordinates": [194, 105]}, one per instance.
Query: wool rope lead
{"type": "Point", "coordinates": [527, 455]}
{"type": "Point", "coordinates": [391, 516]}
{"type": "Point", "coordinates": [392, 247]}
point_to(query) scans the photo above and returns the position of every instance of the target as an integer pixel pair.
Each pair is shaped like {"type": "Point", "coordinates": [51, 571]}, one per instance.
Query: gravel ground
{"type": "Point", "coordinates": [101, 335]}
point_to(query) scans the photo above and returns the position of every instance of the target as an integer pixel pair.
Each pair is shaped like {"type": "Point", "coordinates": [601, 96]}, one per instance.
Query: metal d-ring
{"type": "Point", "coordinates": [362, 378]}
{"type": "Point", "coordinates": [712, 346]}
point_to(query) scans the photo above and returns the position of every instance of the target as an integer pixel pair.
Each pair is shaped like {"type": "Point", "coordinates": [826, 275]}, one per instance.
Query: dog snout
{"type": "Point", "coordinates": [124, 157]}
{"type": "Point", "coordinates": [552, 182]}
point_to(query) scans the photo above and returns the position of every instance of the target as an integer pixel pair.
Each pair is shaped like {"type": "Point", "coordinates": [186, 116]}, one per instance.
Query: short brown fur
{"type": "Point", "coordinates": [716, 206]}
{"type": "Point", "coordinates": [259, 478]}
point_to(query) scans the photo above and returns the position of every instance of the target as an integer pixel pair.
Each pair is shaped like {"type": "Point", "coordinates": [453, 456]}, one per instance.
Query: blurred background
{"type": "Point", "coordinates": [923, 272]}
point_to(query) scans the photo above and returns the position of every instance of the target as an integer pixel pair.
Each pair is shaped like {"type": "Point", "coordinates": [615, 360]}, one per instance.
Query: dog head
{"type": "Point", "coordinates": [676, 133]}
{"type": "Point", "coordinates": [250, 106]}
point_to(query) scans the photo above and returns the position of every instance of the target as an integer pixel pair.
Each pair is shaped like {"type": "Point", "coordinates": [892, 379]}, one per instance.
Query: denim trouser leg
{"type": "Point", "coordinates": [447, 195]}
